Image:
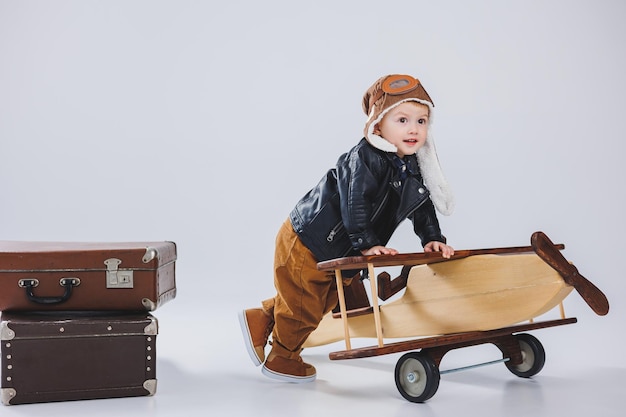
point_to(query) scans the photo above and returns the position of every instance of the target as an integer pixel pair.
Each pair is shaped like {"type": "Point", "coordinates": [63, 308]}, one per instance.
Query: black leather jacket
{"type": "Point", "coordinates": [361, 202]}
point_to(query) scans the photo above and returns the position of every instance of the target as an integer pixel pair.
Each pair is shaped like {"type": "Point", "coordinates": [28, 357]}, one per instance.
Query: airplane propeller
{"type": "Point", "coordinates": [546, 250]}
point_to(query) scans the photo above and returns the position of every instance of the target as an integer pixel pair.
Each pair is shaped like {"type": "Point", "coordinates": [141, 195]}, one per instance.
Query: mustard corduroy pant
{"type": "Point", "coordinates": [303, 294]}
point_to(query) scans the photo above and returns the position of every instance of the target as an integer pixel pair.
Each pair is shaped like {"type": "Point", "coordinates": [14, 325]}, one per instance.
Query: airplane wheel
{"type": "Point", "coordinates": [533, 356]}
{"type": "Point", "coordinates": [417, 377]}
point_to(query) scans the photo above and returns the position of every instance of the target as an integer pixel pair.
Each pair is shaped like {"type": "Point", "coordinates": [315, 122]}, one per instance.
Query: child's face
{"type": "Point", "coordinates": [405, 126]}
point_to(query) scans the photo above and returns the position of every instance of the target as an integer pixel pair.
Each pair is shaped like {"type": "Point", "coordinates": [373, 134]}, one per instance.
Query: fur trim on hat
{"type": "Point", "coordinates": [378, 141]}
{"type": "Point", "coordinates": [440, 192]}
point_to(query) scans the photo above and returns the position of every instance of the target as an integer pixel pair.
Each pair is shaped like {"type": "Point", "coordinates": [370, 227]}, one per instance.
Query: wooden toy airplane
{"type": "Point", "coordinates": [475, 297]}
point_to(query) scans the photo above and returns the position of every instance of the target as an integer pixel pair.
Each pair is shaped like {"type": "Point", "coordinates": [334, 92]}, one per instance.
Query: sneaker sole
{"type": "Point", "coordinates": [287, 378]}
{"type": "Point", "coordinates": [245, 330]}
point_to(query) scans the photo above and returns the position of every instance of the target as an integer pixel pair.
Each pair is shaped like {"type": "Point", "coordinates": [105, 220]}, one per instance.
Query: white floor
{"type": "Point", "coordinates": [203, 369]}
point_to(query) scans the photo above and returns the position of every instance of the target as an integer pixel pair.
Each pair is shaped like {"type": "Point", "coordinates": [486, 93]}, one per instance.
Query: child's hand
{"type": "Point", "coordinates": [379, 250]}
{"type": "Point", "coordinates": [446, 251]}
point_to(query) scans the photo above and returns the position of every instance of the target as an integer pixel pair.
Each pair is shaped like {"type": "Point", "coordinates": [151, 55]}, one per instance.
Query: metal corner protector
{"type": "Point", "coordinates": [6, 395]}
{"type": "Point", "coordinates": [5, 332]}
{"type": "Point", "coordinates": [148, 304]}
{"type": "Point", "coordinates": [150, 385]}
{"type": "Point", "coordinates": [152, 329]}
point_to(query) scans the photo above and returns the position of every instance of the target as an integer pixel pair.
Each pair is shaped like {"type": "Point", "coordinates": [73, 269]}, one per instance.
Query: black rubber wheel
{"type": "Point", "coordinates": [417, 377]}
{"type": "Point", "coordinates": [533, 356]}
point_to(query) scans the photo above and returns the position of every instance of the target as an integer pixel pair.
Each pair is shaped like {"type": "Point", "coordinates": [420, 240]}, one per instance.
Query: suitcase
{"type": "Point", "coordinates": [61, 356]}
{"type": "Point", "coordinates": [42, 276]}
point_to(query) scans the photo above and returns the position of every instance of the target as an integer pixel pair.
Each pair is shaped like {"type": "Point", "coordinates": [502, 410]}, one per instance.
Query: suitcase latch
{"type": "Point", "coordinates": [118, 278]}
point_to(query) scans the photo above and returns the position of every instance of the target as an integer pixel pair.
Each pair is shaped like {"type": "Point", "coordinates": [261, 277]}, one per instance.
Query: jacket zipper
{"type": "Point", "coordinates": [334, 230]}
{"type": "Point", "coordinates": [408, 213]}
{"type": "Point", "coordinates": [380, 206]}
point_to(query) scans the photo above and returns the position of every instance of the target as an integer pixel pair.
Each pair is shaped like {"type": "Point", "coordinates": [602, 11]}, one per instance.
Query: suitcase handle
{"type": "Point", "coordinates": [30, 283]}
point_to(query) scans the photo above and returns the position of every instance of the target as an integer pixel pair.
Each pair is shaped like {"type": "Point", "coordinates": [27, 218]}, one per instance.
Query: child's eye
{"type": "Point", "coordinates": [422, 121]}
{"type": "Point", "coordinates": [402, 120]}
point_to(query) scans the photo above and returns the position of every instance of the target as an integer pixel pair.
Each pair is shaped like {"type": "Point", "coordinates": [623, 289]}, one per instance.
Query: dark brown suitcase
{"type": "Point", "coordinates": [41, 276]}
{"type": "Point", "coordinates": [62, 356]}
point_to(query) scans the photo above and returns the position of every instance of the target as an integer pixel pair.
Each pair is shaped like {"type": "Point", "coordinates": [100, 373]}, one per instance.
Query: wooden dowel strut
{"type": "Point", "coordinates": [342, 308]}
{"type": "Point", "coordinates": [379, 328]}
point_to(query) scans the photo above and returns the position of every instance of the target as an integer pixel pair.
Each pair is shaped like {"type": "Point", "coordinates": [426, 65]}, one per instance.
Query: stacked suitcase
{"type": "Point", "coordinates": [76, 319]}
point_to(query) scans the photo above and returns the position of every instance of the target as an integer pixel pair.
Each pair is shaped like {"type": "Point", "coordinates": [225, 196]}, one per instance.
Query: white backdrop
{"type": "Point", "coordinates": [204, 122]}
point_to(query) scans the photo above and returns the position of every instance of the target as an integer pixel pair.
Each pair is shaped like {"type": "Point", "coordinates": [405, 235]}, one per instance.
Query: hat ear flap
{"type": "Point", "coordinates": [440, 192]}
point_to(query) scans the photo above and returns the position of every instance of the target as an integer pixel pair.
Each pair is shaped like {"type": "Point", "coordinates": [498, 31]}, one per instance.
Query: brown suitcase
{"type": "Point", "coordinates": [61, 356]}
{"type": "Point", "coordinates": [41, 276]}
